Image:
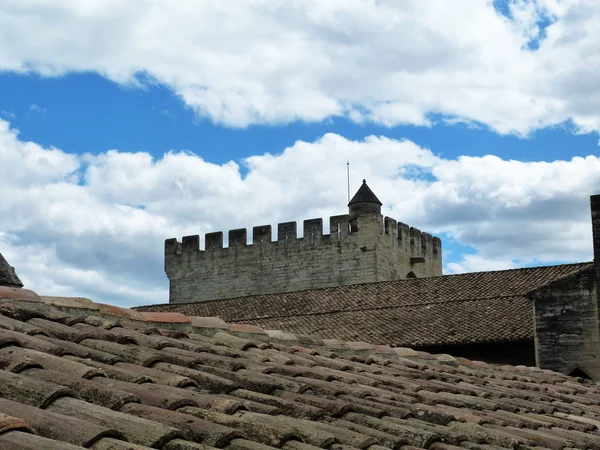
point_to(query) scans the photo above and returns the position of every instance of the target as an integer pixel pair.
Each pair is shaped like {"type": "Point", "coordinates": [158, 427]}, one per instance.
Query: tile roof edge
{"type": "Point", "coordinates": [558, 280]}
{"type": "Point", "coordinates": [334, 348]}
{"type": "Point", "coordinates": [15, 293]}
{"type": "Point", "coordinates": [584, 264]}
{"type": "Point", "coordinates": [245, 320]}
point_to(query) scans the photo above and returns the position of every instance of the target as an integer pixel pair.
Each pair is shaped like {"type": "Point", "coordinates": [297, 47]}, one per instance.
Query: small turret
{"type": "Point", "coordinates": [364, 202]}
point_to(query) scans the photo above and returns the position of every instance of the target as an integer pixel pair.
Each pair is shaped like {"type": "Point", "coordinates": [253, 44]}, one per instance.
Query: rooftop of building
{"type": "Point", "coordinates": [468, 308]}
{"type": "Point", "coordinates": [78, 374]}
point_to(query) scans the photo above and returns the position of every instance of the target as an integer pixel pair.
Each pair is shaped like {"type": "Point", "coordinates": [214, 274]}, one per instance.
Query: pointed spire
{"type": "Point", "coordinates": [364, 201]}
{"type": "Point", "coordinates": [364, 195]}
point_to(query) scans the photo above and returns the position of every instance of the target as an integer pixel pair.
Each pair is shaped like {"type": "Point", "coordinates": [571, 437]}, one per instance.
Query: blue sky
{"type": "Point", "coordinates": [86, 113]}
{"type": "Point", "coordinates": [130, 125]}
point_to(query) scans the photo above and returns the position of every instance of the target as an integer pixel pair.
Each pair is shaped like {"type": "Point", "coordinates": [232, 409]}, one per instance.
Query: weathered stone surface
{"type": "Point", "coordinates": [377, 249]}
{"type": "Point", "coordinates": [566, 323]}
{"type": "Point", "coordinates": [8, 276]}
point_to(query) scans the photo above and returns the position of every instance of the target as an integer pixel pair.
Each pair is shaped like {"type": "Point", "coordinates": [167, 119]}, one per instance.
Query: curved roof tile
{"type": "Point", "coordinates": [248, 388]}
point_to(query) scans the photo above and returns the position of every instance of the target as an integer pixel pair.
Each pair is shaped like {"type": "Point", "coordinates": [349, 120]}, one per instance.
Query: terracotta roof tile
{"type": "Point", "coordinates": [278, 335]}
{"type": "Point", "coordinates": [118, 379]}
{"type": "Point", "coordinates": [157, 376]}
{"type": "Point", "coordinates": [209, 322]}
{"type": "Point", "coordinates": [116, 311]}
{"type": "Point", "coordinates": [12, 293]}
{"type": "Point", "coordinates": [16, 359]}
{"type": "Point", "coordinates": [18, 440]}
{"type": "Point", "coordinates": [89, 390]}
{"type": "Point", "coordinates": [57, 426]}
{"type": "Point", "coordinates": [10, 423]}
{"type": "Point", "coordinates": [114, 444]}
{"type": "Point", "coordinates": [135, 429]}
{"type": "Point", "coordinates": [25, 390]}
{"type": "Point", "coordinates": [210, 382]}
{"type": "Point", "coordinates": [244, 328]}
{"type": "Point", "coordinates": [192, 427]}
{"type": "Point", "coordinates": [11, 324]}
{"type": "Point", "coordinates": [414, 312]}
{"type": "Point", "coordinates": [165, 317]}
{"type": "Point", "coordinates": [71, 302]}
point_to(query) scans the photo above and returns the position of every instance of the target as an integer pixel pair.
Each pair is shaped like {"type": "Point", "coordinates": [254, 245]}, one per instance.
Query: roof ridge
{"type": "Point", "coordinates": [389, 282]}
{"type": "Point", "coordinates": [379, 308]}
{"type": "Point", "coordinates": [558, 280]}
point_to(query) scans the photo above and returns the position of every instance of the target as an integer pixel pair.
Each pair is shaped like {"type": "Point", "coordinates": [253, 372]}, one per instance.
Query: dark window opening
{"type": "Point", "coordinates": [577, 372]}
{"type": "Point", "coordinates": [411, 275]}
{"type": "Point", "coordinates": [513, 353]}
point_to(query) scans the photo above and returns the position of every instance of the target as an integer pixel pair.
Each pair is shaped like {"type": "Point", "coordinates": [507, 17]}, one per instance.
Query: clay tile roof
{"type": "Point", "coordinates": [474, 307]}
{"type": "Point", "coordinates": [8, 276]}
{"type": "Point", "coordinates": [75, 374]}
{"type": "Point", "coordinates": [18, 294]}
{"type": "Point", "coordinates": [364, 195]}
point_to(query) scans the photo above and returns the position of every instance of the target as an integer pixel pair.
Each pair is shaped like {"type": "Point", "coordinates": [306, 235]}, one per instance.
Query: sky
{"type": "Point", "coordinates": [124, 124]}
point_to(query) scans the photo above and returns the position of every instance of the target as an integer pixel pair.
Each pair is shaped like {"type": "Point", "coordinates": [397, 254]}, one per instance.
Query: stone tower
{"type": "Point", "coordinates": [362, 247]}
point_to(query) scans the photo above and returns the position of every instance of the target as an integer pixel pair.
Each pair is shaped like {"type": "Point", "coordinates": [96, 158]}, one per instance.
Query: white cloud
{"type": "Point", "coordinates": [37, 109]}
{"type": "Point", "coordinates": [241, 63]}
{"type": "Point", "coordinates": [476, 263]}
{"type": "Point", "coordinates": [95, 225]}
{"type": "Point", "coordinates": [37, 164]}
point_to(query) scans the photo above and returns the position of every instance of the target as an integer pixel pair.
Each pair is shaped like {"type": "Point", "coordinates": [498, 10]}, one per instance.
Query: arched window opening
{"type": "Point", "coordinates": [411, 275]}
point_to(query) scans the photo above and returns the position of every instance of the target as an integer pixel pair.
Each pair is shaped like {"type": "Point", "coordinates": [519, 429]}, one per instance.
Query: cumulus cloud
{"type": "Point", "coordinates": [241, 63]}
{"type": "Point", "coordinates": [94, 225]}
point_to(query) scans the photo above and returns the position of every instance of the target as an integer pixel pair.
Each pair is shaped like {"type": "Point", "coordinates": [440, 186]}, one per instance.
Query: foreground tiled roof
{"type": "Point", "coordinates": [76, 374]}
{"type": "Point", "coordinates": [8, 277]}
{"type": "Point", "coordinates": [455, 309]}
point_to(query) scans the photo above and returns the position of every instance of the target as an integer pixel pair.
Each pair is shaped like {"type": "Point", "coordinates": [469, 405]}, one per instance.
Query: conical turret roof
{"type": "Point", "coordinates": [364, 195]}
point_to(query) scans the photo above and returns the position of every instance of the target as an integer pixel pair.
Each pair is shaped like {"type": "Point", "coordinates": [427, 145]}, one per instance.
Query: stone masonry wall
{"type": "Point", "coordinates": [379, 250]}
{"type": "Point", "coordinates": [566, 324]}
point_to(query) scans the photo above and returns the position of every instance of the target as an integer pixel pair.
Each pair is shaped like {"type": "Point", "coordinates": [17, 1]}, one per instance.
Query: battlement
{"type": "Point", "coordinates": [360, 249]}
{"type": "Point", "coordinates": [410, 239]}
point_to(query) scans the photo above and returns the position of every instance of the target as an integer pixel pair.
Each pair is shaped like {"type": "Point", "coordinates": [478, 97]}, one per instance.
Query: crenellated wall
{"type": "Point", "coordinates": [367, 249]}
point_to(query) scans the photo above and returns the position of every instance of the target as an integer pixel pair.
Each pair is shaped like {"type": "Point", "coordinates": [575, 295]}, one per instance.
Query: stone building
{"type": "Point", "coordinates": [362, 247]}
{"type": "Point", "coordinates": [544, 316]}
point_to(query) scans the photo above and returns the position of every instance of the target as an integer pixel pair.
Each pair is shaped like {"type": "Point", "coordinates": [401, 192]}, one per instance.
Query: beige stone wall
{"type": "Point", "coordinates": [379, 251]}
